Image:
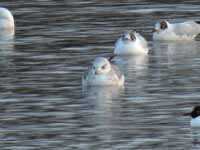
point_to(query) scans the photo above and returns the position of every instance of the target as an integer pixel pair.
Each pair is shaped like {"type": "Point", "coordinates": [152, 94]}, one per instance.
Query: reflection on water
{"type": "Point", "coordinates": [104, 101]}
{"type": "Point", "coordinates": [176, 51]}
{"type": "Point", "coordinates": [135, 69]}
{"type": "Point", "coordinates": [43, 105]}
{"type": "Point", "coordinates": [102, 93]}
{"type": "Point", "coordinates": [195, 133]}
{"type": "Point", "coordinates": [132, 65]}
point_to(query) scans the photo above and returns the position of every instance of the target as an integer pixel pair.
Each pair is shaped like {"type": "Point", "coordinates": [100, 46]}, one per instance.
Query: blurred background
{"type": "Point", "coordinates": [43, 105]}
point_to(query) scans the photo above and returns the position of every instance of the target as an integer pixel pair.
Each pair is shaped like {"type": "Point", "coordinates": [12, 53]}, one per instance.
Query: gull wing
{"type": "Point", "coordinates": [116, 72]}
{"type": "Point", "coordinates": [142, 39]}
{"type": "Point", "coordinates": [190, 28]}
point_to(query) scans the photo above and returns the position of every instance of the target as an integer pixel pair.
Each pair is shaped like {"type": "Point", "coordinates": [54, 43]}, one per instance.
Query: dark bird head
{"type": "Point", "coordinates": [195, 112]}
{"type": "Point", "coordinates": [161, 25]}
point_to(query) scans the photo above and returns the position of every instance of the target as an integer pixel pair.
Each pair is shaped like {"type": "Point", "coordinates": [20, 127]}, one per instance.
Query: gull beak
{"type": "Point", "coordinates": [97, 72]}
{"type": "Point", "coordinates": [111, 57]}
{"type": "Point", "coordinates": [126, 38]}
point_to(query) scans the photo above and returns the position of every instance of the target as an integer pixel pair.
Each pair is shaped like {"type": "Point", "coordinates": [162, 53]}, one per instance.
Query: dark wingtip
{"type": "Point", "coordinates": [197, 22]}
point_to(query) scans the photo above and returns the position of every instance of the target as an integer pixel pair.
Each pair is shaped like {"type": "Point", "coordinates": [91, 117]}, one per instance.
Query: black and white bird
{"type": "Point", "coordinates": [165, 31]}
{"type": "Point", "coordinates": [195, 114]}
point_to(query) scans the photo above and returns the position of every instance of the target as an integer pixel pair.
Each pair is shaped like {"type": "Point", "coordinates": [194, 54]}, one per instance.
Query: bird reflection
{"type": "Point", "coordinates": [132, 66]}
{"type": "Point", "coordinates": [135, 69]}
{"type": "Point", "coordinates": [175, 51]}
{"type": "Point", "coordinates": [104, 100]}
{"type": "Point", "coordinates": [6, 66]}
{"type": "Point", "coordinates": [6, 49]}
{"type": "Point", "coordinates": [102, 94]}
{"type": "Point", "coordinates": [195, 135]}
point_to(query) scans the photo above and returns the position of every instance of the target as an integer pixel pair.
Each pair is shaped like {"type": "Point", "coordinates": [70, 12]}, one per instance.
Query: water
{"type": "Point", "coordinates": [42, 103]}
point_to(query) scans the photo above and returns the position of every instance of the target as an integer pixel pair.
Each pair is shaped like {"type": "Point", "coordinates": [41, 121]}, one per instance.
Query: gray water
{"type": "Point", "coordinates": [43, 105]}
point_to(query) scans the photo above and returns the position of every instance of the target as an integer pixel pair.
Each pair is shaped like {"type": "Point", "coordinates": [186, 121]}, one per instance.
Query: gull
{"type": "Point", "coordinates": [102, 72]}
{"type": "Point", "coordinates": [195, 114]}
{"type": "Point", "coordinates": [131, 43]}
{"type": "Point", "coordinates": [165, 31]}
{"type": "Point", "coordinates": [7, 24]}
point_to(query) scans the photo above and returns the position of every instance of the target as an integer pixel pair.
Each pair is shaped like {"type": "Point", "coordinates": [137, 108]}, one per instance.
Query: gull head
{"type": "Point", "coordinates": [129, 36]}
{"type": "Point", "coordinates": [195, 112]}
{"type": "Point", "coordinates": [161, 26]}
{"type": "Point", "coordinates": [100, 66]}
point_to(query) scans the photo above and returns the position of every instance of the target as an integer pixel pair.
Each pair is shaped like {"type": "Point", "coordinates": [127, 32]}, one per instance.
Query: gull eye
{"type": "Point", "coordinates": [103, 67]}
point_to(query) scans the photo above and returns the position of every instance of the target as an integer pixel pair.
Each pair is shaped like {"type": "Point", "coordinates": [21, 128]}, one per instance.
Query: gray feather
{"type": "Point", "coordinates": [115, 70]}
{"type": "Point", "coordinates": [189, 28]}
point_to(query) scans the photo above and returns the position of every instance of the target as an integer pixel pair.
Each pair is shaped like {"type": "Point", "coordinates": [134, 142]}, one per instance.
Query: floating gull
{"type": "Point", "coordinates": [102, 72]}
{"type": "Point", "coordinates": [195, 114]}
{"type": "Point", "coordinates": [7, 24]}
{"type": "Point", "coordinates": [131, 43]}
{"type": "Point", "coordinates": [165, 31]}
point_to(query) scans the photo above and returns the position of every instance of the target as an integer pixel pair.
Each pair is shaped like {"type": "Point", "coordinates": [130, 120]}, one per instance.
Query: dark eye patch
{"type": "Point", "coordinates": [124, 37]}
{"type": "Point", "coordinates": [163, 25]}
{"type": "Point", "coordinates": [104, 66]}
{"type": "Point", "coordinates": [132, 35]}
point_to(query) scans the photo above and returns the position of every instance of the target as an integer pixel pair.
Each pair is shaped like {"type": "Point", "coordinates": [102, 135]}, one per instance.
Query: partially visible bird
{"type": "Point", "coordinates": [165, 31]}
{"type": "Point", "coordinates": [131, 43]}
{"type": "Point", "coordinates": [7, 24]}
{"type": "Point", "coordinates": [195, 114]}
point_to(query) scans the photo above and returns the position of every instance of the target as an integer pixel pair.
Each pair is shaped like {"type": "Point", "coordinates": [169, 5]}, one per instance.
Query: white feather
{"type": "Point", "coordinates": [109, 77]}
{"type": "Point", "coordinates": [195, 122]}
{"type": "Point", "coordinates": [187, 30]}
{"type": "Point", "coordinates": [7, 25]}
{"type": "Point", "coordinates": [139, 46]}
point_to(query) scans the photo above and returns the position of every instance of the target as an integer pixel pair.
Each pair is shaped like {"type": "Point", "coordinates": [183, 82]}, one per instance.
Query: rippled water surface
{"type": "Point", "coordinates": [43, 105]}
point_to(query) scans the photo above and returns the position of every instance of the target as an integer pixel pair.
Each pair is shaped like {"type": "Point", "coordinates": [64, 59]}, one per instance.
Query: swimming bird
{"type": "Point", "coordinates": [7, 23]}
{"type": "Point", "coordinates": [131, 43]}
{"type": "Point", "coordinates": [195, 114]}
{"type": "Point", "coordinates": [165, 31]}
{"type": "Point", "coordinates": [102, 72]}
